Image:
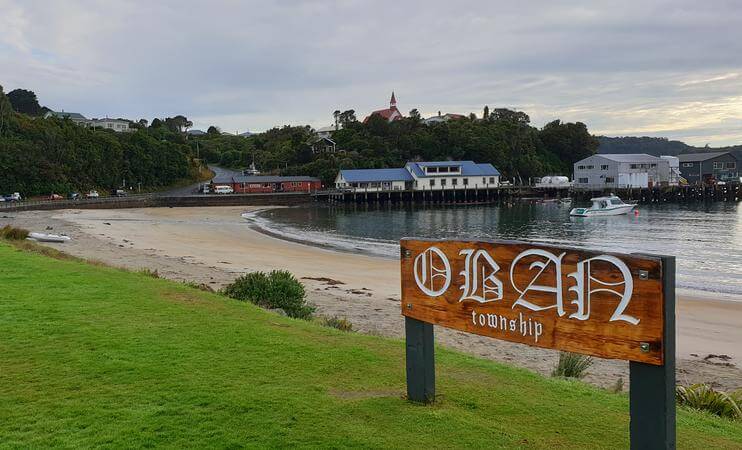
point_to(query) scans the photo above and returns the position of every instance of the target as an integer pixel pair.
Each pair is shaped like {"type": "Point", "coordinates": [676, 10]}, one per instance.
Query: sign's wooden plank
{"type": "Point", "coordinates": [603, 304]}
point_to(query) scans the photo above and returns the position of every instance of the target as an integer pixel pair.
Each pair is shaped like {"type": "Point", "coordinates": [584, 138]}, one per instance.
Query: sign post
{"type": "Point", "coordinates": [602, 304]}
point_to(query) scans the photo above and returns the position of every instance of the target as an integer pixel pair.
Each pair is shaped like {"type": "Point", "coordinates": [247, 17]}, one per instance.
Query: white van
{"type": "Point", "coordinates": [223, 189]}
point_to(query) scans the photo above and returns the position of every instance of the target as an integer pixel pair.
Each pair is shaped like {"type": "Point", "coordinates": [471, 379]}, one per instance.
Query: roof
{"type": "Point", "coordinates": [686, 157]}
{"type": "Point", "coordinates": [628, 157]}
{"type": "Point", "coordinates": [365, 175]}
{"type": "Point", "coordinates": [385, 113]}
{"type": "Point", "coordinates": [468, 168]}
{"type": "Point", "coordinates": [328, 129]}
{"type": "Point", "coordinates": [71, 115]}
{"type": "Point", "coordinates": [269, 179]}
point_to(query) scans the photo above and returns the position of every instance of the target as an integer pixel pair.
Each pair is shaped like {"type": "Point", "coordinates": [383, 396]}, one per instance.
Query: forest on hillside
{"type": "Point", "coordinates": [656, 146]}
{"type": "Point", "coordinates": [504, 138]}
{"type": "Point", "coordinates": [43, 156]}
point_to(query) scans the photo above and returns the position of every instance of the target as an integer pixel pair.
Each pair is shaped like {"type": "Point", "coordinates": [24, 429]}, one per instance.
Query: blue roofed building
{"type": "Point", "coordinates": [374, 179]}
{"type": "Point", "coordinates": [422, 176]}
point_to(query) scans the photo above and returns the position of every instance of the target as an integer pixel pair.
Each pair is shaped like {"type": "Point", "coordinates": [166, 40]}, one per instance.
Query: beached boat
{"type": "Point", "coordinates": [43, 237]}
{"type": "Point", "coordinates": [604, 206]}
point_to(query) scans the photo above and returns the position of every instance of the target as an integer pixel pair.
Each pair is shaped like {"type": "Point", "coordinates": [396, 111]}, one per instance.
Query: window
{"type": "Point", "coordinates": [466, 181]}
{"type": "Point", "coordinates": [604, 167]}
{"type": "Point", "coordinates": [492, 180]}
{"type": "Point", "coordinates": [580, 167]}
{"type": "Point", "coordinates": [730, 165]}
{"type": "Point", "coordinates": [431, 169]}
{"type": "Point", "coordinates": [610, 180]}
{"type": "Point", "coordinates": [634, 166]}
{"type": "Point", "coordinates": [415, 183]}
{"type": "Point", "coordinates": [484, 180]}
{"type": "Point", "coordinates": [454, 181]}
{"type": "Point", "coordinates": [687, 164]}
{"type": "Point", "coordinates": [590, 167]}
{"type": "Point", "coordinates": [432, 183]}
{"type": "Point", "coordinates": [443, 170]}
{"type": "Point", "coordinates": [718, 165]}
{"type": "Point", "coordinates": [455, 169]}
{"type": "Point", "coordinates": [653, 166]}
{"type": "Point", "coordinates": [582, 180]}
{"type": "Point", "coordinates": [443, 182]}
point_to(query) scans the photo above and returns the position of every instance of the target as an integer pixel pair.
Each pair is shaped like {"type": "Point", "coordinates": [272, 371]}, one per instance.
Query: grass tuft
{"type": "Point", "coordinates": [150, 272]}
{"type": "Point", "coordinates": [572, 365]}
{"type": "Point", "coordinates": [705, 398]}
{"type": "Point", "coordinates": [340, 323]}
{"type": "Point", "coordinates": [13, 234]}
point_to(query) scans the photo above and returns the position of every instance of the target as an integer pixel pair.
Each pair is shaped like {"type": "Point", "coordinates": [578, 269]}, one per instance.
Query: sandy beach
{"type": "Point", "coordinates": [215, 245]}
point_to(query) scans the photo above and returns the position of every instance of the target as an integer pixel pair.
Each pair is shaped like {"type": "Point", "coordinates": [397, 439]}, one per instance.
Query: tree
{"type": "Point", "coordinates": [6, 112]}
{"type": "Point", "coordinates": [486, 113]}
{"type": "Point", "coordinates": [570, 142]}
{"type": "Point", "coordinates": [156, 123]}
{"type": "Point", "coordinates": [336, 115]}
{"type": "Point", "coordinates": [347, 117]}
{"type": "Point", "coordinates": [178, 123]}
{"type": "Point", "coordinates": [143, 123]}
{"type": "Point", "coordinates": [24, 102]}
{"type": "Point", "coordinates": [213, 131]}
{"type": "Point", "coordinates": [415, 115]}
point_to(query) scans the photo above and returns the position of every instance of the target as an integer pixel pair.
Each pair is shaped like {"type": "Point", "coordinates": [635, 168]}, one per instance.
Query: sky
{"type": "Point", "coordinates": [647, 68]}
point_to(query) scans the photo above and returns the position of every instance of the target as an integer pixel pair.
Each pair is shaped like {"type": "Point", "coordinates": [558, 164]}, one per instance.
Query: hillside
{"type": "Point", "coordinates": [97, 356]}
{"type": "Point", "coordinates": [653, 146]}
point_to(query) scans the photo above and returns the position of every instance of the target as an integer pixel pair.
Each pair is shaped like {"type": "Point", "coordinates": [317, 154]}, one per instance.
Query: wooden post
{"type": "Point", "coordinates": [420, 360]}
{"type": "Point", "coordinates": [652, 395]}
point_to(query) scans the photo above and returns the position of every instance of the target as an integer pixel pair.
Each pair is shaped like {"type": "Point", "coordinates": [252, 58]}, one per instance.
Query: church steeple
{"type": "Point", "coordinates": [393, 101]}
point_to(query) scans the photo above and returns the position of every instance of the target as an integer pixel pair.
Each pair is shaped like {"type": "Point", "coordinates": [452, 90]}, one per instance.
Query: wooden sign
{"type": "Point", "coordinates": [603, 304]}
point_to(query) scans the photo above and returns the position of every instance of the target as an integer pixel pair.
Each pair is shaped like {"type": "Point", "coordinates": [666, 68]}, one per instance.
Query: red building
{"type": "Point", "coordinates": [244, 184]}
{"type": "Point", "coordinates": [390, 114]}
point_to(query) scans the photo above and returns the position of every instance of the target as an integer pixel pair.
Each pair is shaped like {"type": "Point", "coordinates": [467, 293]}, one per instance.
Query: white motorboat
{"type": "Point", "coordinates": [43, 237]}
{"type": "Point", "coordinates": [604, 206]}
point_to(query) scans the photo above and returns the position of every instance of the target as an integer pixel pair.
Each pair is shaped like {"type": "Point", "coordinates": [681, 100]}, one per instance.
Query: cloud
{"type": "Point", "coordinates": [621, 67]}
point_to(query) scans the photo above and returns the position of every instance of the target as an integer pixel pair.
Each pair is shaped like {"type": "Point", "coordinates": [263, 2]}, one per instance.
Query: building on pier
{"type": "Point", "coordinates": [709, 167]}
{"type": "Point", "coordinates": [616, 171]}
{"type": "Point", "coordinates": [421, 176]}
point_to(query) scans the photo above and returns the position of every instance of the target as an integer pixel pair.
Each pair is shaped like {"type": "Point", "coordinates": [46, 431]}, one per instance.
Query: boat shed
{"type": "Point", "coordinates": [610, 171]}
{"type": "Point", "coordinates": [709, 167]}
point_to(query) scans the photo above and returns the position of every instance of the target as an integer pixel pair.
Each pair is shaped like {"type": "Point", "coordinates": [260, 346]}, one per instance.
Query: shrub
{"type": "Point", "coordinates": [277, 290]}
{"type": "Point", "coordinates": [337, 322]}
{"type": "Point", "coordinates": [572, 365]}
{"type": "Point", "coordinates": [13, 233]}
{"type": "Point", "coordinates": [705, 398]}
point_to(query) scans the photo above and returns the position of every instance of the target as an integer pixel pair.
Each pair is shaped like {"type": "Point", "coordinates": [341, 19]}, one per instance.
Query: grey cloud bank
{"type": "Point", "coordinates": [625, 68]}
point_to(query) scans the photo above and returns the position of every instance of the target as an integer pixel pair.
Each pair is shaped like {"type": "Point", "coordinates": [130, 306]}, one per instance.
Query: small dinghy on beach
{"type": "Point", "coordinates": [43, 237]}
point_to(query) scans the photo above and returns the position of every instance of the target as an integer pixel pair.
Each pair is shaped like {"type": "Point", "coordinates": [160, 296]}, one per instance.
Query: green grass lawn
{"type": "Point", "coordinates": [94, 356]}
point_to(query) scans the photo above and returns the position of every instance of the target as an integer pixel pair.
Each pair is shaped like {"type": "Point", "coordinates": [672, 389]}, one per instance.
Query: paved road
{"type": "Point", "coordinates": [219, 172]}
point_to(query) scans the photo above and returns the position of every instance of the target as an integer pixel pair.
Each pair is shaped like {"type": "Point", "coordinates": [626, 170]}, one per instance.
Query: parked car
{"type": "Point", "coordinates": [56, 197]}
{"type": "Point", "coordinates": [74, 195]}
{"type": "Point", "coordinates": [223, 189]}
{"type": "Point", "coordinates": [92, 194]}
{"type": "Point", "coordinates": [120, 193]}
{"type": "Point", "coordinates": [14, 197]}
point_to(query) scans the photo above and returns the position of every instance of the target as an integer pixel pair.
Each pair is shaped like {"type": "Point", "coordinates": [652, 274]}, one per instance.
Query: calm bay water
{"type": "Point", "coordinates": [705, 238]}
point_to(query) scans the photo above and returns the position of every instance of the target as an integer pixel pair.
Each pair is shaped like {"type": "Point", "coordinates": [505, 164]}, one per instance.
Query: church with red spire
{"type": "Point", "coordinates": [390, 114]}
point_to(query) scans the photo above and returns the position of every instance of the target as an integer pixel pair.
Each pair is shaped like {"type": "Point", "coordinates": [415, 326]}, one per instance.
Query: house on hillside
{"type": "Point", "coordinates": [635, 170]}
{"type": "Point", "coordinates": [323, 145]}
{"type": "Point", "coordinates": [390, 114]}
{"type": "Point", "coordinates": [443, 118]}
{"type": "Point", "coordinates": [77, 118]}
{"type": "Point", "coordinates": [326, 132]}
{"type": "Point", "coordinates": [118, 125]}
{"type": "Point", "coordinates": [708, 167]}
{"type": "Point", "coordinates": [421, 176]}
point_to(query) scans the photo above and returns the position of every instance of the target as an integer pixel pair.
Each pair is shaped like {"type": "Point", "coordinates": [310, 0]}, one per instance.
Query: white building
{"type": "Point", "coordinates": [421, 176]}
{"type": "Point", "coordinates": [118, 125]}
{"type": "Point", "coordinates": [606, 171]}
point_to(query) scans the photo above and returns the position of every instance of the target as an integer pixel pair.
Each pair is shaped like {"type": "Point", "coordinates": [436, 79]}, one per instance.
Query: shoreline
{"type": "Point", "coordinates": [214, 245]}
